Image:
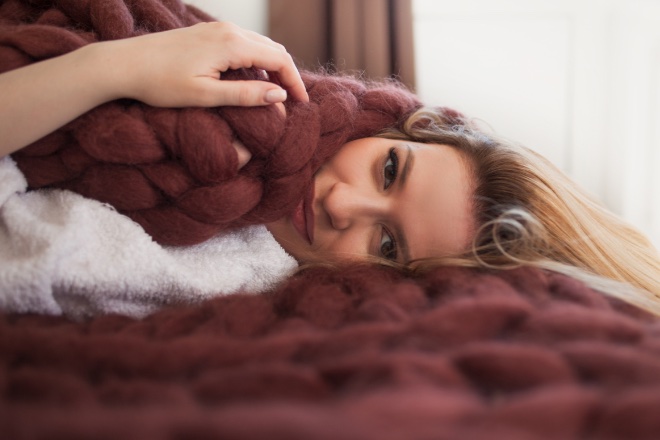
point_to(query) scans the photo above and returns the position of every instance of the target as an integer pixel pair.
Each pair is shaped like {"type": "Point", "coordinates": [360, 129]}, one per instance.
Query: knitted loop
{"type": "Point", "coordinates": [174, 171]}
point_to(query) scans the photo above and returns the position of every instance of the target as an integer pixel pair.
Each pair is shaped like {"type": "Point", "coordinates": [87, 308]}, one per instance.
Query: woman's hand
{"type": "Point", "coordinates": [177, 68]}
{"type": "Point", "coordinates": [184, 67]}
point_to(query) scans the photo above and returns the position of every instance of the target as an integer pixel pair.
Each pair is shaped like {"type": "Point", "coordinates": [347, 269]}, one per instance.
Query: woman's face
{"type": "Point", "coordinates": [385, 198]}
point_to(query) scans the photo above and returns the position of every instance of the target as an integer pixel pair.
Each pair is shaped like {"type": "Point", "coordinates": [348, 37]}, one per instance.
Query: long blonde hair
{"type": "Point", "coordinates": [530, 213]}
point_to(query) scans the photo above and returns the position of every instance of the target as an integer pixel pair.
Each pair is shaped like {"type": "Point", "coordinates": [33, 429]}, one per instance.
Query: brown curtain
{"type": "Point", "coordinates": [374, 36]}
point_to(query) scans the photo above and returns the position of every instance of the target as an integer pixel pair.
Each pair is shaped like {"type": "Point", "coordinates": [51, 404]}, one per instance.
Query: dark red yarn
{"type": "Point", "coordinates": [364, 353]}
{"type": "Point", "coordinates": [174, 170]}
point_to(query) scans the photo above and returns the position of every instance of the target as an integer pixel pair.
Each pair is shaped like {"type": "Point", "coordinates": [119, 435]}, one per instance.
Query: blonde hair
{"type": "Point", "coordinates": [530, 213]}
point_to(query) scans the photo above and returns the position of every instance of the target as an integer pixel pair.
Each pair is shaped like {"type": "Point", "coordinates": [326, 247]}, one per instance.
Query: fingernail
{"type": "Point", "coordinates": [275, 95]}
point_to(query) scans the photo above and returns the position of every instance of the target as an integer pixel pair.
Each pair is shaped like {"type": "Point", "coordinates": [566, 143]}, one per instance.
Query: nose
{"type": "Point", "coordinates": [347, 205]}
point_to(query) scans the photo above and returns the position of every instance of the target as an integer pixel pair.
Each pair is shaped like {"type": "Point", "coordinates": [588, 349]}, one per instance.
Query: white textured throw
{"type": "Point", "coordinates": [61, 253]}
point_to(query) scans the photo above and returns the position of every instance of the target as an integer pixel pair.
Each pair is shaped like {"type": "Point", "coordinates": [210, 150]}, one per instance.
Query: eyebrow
{"type": "Point", "coordinates": [407, 167]}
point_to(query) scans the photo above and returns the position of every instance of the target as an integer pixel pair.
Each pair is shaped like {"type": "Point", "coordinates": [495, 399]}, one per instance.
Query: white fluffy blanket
{"type": "Point", "coordinates": [61, 253]}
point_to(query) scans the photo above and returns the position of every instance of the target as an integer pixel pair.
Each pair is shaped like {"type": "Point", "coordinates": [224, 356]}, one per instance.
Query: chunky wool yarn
{"type": "Point", "coordinates": [174, 171]}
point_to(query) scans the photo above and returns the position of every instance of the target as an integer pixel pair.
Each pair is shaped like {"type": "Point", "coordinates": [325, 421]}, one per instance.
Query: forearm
{"type": "Point", "coordinates": [44, 96]}
{"type": "Point", "coordinates": [177, 68]}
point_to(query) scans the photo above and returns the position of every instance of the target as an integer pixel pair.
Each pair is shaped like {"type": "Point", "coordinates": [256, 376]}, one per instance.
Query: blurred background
{"type": "Point", "coordinates": [576, 80]}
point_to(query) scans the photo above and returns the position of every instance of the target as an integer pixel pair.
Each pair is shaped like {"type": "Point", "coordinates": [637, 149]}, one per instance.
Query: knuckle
{"type": "Point", "coordinates": [221, 26]}
{"type": "Point", "coordinates": [229, 30]}
{"type": "Point", "coordinates": [236, 62]}
{"type": "Point", "coordinates": [201, 96]}
{"type": "Point", "coordinates": [244, 96]}
{"type": "Point", "coordinates": [231, 38]}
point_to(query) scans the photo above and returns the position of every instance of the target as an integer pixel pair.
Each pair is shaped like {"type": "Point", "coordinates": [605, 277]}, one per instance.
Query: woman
{"type": "Point", "coordinates": [471, 200]}
{"type": "Point", "coordinates": [434, 190]}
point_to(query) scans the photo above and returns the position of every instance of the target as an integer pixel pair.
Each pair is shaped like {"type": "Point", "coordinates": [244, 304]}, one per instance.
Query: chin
{"type": "Point", "coordinates": [286, 236]}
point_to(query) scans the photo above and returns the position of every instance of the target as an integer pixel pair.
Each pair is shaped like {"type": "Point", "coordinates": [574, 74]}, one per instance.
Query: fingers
{"type": "Point", "coordinates": [266, 54]}
{"type": "Point", "coordinates": [290, 79]}
{"type": "Point", "coordinates": [243, 154]}
{"type": "Point", "coordinates": [242, 93]}
{"type": "Point", "coordinates": [280, 108]}
{"type": "Point", "coordinates": [185, 64]}
{"type": "Point", "coordinates": [287, 75]}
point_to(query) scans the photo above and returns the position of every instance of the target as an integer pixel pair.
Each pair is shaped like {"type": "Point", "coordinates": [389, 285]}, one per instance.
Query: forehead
{"type": "Point", "coordinates": [436, 204]}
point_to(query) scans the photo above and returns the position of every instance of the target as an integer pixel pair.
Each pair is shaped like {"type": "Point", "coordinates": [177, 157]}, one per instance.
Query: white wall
{"type": "Point", "coordinates": [577, 80]}
{"type": "Point", "coordinates": [249, 14]}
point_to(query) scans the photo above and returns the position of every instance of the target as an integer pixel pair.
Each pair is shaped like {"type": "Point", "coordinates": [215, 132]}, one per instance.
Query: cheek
{"type": "Point", "coordinates": [343, 247]}
{"type": "Point", "coordinates": [349, 163]}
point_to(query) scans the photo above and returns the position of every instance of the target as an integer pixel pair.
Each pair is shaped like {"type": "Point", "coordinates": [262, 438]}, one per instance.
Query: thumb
{"type": "Point", "coordinates": [245, 93]}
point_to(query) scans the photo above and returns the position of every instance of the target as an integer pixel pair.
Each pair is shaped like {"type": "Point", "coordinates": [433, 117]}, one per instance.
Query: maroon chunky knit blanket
{"type": "Point", "coordinates": [362, 354]}
{"type": "Point", "coordinates": [173, 171]}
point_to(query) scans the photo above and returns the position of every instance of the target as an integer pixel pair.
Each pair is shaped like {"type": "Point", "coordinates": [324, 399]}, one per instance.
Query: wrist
{"type": "Point", "coordinates": [100, 66]}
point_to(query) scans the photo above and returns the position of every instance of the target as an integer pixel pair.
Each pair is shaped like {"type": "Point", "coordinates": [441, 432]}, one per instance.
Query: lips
{"type": "Point", "coordinates": [303, 216]}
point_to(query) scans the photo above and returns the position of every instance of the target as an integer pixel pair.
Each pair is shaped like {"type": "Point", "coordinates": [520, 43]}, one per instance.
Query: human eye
{"type": "Point", "coordinates": [391, 168]}
{"type": "Point", "coordinates": [388, 248]}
